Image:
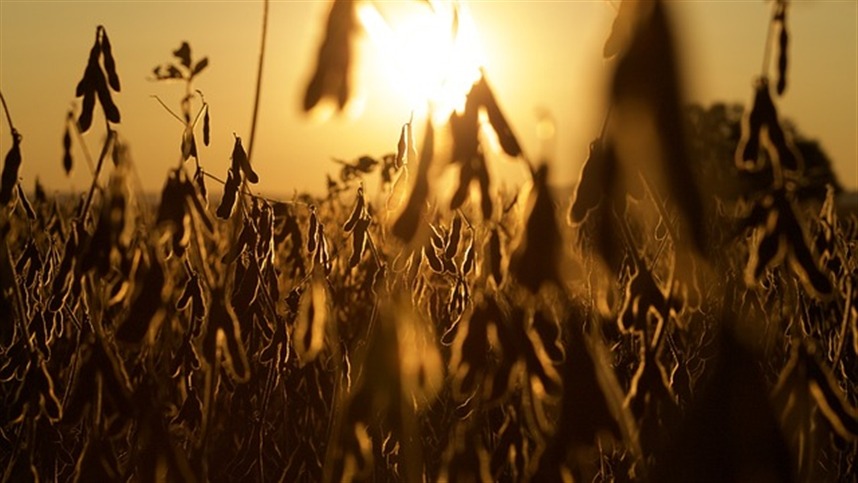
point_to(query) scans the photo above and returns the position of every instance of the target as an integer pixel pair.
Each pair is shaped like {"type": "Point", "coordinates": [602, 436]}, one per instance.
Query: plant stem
{"type": "Point", "coordinates": [8, 116]}
{"type": "Point", "coordinates": [767, 51]}
{"type": "Point", "coordinates": [110, 135]}
{"type": "Point", "coordinates": [258, 81]}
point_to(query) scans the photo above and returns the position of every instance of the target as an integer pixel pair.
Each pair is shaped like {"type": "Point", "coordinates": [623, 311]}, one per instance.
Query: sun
{"type": "Point", "coordinates": [431, 51]}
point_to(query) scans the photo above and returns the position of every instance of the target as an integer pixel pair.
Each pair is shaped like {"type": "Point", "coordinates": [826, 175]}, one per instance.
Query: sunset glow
{"type": "Point", "coordinates": [433, 55]}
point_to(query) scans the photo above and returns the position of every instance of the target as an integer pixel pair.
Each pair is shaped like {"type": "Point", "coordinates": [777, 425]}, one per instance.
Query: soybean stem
{"type": "Point", "coordinates": [258, 81]}
{"type": "Point", "coordinates": [8, 116]}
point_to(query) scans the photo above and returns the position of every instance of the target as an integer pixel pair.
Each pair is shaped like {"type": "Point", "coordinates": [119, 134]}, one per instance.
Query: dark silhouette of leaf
{"type": "Point", "coordinates": [199, 66]}
{"type": "Point", "coordinates": [183, 53]}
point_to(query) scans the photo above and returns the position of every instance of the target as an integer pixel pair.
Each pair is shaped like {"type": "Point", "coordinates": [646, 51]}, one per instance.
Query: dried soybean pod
{"type": "Point", "coordinates": [747, 151]}
{"type": "Point", "coordinates": [591, 185]}
{"type": "Point", "coordinates": [409, 133]}
{"type": "Point", "coordinates": [357, 212]}
{"type": "Point", "coordinates": [495, 256]}
{"type": "Point", "coordinates": [67, 140]}
{"type": "Point", "coordinates": [230, 192]}
{"type": "Point", "coordinates": [85, 120]}
{"type": "Point", "coordinates": [312, 232]}
{"type": "Point", "coordinates": [468, 262]}
{"type": "Point", "coordinates": [506, 138]}
{"type": "Point", "coordinates": [401, 149]}
{"type": "Point", "coordinates": [239, 158]}
{"type": "Point", "coordinates": [25, 203]}
{"type": "Point", "coordinates": [435, 238]}
{"type": "Point", "coordinates": [466, 175]}
{"type": "Point", "coordinates": [359, 241]}
{"type": "Point", "coordinates": [200, 180]}
{"type": "Point", "coordinates": [9, 178]}
{"type": "Point", "coordinates": [111, 112]}
{"type": "Point", "coordinates": [486, 205]}
{"type": "Point", "coordinates": [768, 250]}
{"type": "Point", "coordinates": [455, 235]}
{"type": "Point", "coordinates": [188, 292]}
{"type": "Point", "coordinates": [206, 127]}
{"type": "Point", "coordinates": [109, 62]}
{"type": "Point", "coordinates": [434, 262]}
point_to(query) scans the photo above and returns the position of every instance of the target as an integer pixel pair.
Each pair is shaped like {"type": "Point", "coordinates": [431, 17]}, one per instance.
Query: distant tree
{"type": "Point", "coordinates": [714, 133]}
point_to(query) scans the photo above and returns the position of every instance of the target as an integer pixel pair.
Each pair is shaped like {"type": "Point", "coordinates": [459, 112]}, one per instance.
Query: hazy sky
{"type": "Point", "coordinates": [538, 55]}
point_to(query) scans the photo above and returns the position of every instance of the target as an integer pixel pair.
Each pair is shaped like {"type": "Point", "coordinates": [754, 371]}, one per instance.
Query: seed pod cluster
{"type": "Point", "coordinates": [180, 203]}
{"type": "Point", "coordinates": [467, 149]}
{"type": "Point", "coordinates": [93, 84]}
{"type": "Point", "coordinates": [781, 235]}
{"type": "Point", "coordinates": [763, 118]}
{"type": "Point", "coordinates": [240, 162]}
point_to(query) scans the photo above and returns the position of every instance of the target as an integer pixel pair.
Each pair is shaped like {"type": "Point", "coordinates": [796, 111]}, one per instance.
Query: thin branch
{"type": "Point", "coordinates": [258, 81]}
{"type": "Point", "coordinates": [167, 108]}
{"type": "Point", "coordinates": [111, 134]}
{"type": "Point", "coordinates": [767, 51]}
{"type": "Point", "coordinates": [8, 116]}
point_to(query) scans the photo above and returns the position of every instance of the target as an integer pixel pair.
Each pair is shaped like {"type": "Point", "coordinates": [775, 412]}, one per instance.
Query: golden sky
{"type": "Point", "coordinates": [539, 56]}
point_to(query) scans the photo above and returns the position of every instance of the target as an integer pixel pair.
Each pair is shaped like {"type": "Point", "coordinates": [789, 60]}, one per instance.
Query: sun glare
{"type": "Point", "coordinates": [432, 54]}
